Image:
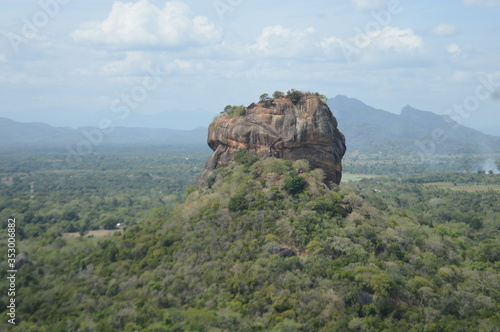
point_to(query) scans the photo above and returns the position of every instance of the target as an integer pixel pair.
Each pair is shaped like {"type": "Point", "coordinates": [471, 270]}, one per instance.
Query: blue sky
{"type": "Point", "coordinates": [74, 62]}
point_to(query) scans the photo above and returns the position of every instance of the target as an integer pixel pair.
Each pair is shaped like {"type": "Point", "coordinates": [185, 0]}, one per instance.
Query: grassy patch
{"type": "Point", "coordinates": [353, 177]}
{"type": "Point", "coordinates": [97, 233]}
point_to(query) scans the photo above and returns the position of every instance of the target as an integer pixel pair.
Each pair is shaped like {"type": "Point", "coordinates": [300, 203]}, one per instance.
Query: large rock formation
{"type": "Point", "coordinates": [306, 129]}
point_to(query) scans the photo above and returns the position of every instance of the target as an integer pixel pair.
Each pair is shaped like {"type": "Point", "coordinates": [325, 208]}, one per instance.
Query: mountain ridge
{"type": "Point", "coordinates": [34, 135]}
{"type": "Point", "coordinates": [367, 130]}
{"type": "Point", "coordinates": [370, 130]}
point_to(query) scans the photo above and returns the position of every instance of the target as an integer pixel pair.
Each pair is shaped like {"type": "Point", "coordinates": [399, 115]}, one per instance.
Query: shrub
{"type": "Point", "coordinates": [294, 95]}
{"type": "Point", "coordinates": [233, 111]}
{"type": "Point", "coordinates": [301, 165]}
{"type": "Point", "coordinates": [246, 158]}
{"type": "Point", "coordinates": [323, 97]}
{"type": "Point", "coordinates": [264, 97]}
{"type": "Point", "coordinates": [278, 95]}
{"type": "Point", "coordinates": [279, 166]}
{"type": "Point", "coordinates": [237, 203]}
{"type": "Point", "coordinates": [294, 184]}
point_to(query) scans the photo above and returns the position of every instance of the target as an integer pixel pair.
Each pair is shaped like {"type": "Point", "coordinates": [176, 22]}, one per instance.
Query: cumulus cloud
{"type": "Point", "coordinates": [398, 40]}
{"type": "Point", "coordinates": [133, 64]}
{"type": "Point", "coordinates": [482, 3]}
{"type": "Point", "coordinates": [375, 45]}
{"type": "Point", "coordinates": [139, 25]}
{"type": "Point", "coordinates": [454, 49]}
{"type": "Point", "coordinates": [278, 41]}
{"type": "Point", "coordinates": [369, 4]}
{"type": "Point", "coordinates": [444, 30]}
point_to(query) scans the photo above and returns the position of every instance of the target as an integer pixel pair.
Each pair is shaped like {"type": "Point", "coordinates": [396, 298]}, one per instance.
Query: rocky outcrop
{"type": "Point", "coordinates": [21, 260]}
{"type": "Point", "coordinates": [306, 129]}
{"type": "Point", "coordinates": [286, 252]}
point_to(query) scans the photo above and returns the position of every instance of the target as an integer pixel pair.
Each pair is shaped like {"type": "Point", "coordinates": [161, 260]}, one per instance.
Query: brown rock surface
{"type": "Point", "coordinates": [304, 130]}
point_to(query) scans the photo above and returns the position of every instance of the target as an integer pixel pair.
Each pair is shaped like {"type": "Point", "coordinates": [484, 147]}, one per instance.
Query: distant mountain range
{"type": "Point", "coordinates": [370, 130]}
{"type": "Point", "coordinates": [21, 136]}
{"type": "Point", "coordinates": [367, 130]}
{"type": "Point", "coordinates": [184, 120]}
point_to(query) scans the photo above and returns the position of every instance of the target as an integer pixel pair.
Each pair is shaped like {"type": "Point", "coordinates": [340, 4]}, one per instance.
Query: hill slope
{"type": "Point", "coordinates": [269, 248]}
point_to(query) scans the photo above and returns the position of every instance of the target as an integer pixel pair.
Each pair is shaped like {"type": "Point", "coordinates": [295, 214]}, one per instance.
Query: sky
{"type": "Point", "coordinates": [98, 62]}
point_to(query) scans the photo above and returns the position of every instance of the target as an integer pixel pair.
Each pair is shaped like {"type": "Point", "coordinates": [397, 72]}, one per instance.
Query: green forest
{"type": "Point", "coordinates": [268, 247]}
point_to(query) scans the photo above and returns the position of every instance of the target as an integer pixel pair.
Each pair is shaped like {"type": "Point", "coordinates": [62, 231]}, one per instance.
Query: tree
{"type": "Point", "coordinates": [294, 95]}
{"type": "Point", "coordinates": [245, 158]}
{"type": "Point", "coordinates": [295, 184]}
{"type": "Point", "coordinates": [110, 222]}
{"type": "Point", "coordinates": [301, 165]}
{"type": "Point", "coordinates": [264, 97]}
{"type": "Point", "coordinates": [237, 203]}
{"type": "Point", "coordinates": [233, 111]}
{"type": "Point", "coordinates": [321, 96]}
{"type": "Point", "coordinates": [278, 95]}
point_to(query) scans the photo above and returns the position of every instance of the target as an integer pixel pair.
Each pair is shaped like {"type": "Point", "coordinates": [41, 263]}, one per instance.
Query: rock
{"type": "Point", "coordinates": [286, 252]}
{"type": "Point", "coordinates": [306, 129]}
{"type": "Point", "coordinates": [21, 259]}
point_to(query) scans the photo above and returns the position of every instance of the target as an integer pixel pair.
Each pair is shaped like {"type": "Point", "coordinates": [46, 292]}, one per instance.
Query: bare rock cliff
{"type": "Point", "coordinates": [306, 129]}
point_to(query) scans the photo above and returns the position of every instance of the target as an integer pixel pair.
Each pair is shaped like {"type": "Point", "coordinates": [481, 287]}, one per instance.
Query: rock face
{"type": "Point", "coordinates": [306, 129]}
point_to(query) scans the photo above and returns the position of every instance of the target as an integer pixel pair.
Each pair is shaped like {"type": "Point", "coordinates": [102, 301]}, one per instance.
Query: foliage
{"type": "Point", "coordinates": [395, 163]}
{"type": "Point", "coordinates": [106, 189]}
{"type": "Point", "coordinates": [278, 95]}
{"type": "Point", "coordinates": [380, 254]}
{"type": "Point", "coordinates": [294, 184]}
{"type": "Point", "coordinates": [301, 165]}
{"type": "Point", "coordinates": [266, 100]}
{"type": "Point", "coordinates": [232, 111]}
{"type": "Point", "coordinates": [237, 203]}
{"type": "Point", "coordinates": [245, 158]}
{"type": "Point", "coordinates": [321, 96]}
{"type": "Point", "coordinates": [294, 95]}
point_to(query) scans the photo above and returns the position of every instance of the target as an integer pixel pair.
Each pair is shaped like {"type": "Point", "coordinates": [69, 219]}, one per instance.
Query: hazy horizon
{"type": "Point", "coordinates": [73, 63]}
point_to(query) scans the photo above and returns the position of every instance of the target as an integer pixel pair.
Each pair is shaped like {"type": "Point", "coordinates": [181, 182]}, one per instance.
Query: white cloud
{"type": "Point", "coordinates": [444, 30]}
{"type": "Point", "coordinates": [375, 46]}
{"type": "Point", "coordinates": [131, 65]}
{"type": "Point", "coordinates": [278, 41]}
{"type": "Point", "coordinates": [397, 40]}
{"type": "Point", "coordinates": [138, 25]}
{"type": "Point", "coordinates": [460, 76]}
{"type": "Point", "coordinates": [369, 4]}
{"type": "Point", "coordinates": [482, 3]}
{"type": "Point", "coordinates": [334, 47]}
{"type": "Point", "coordinates": [454, 49]}
{"type": "Point", "coordinates": [3, 58]}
